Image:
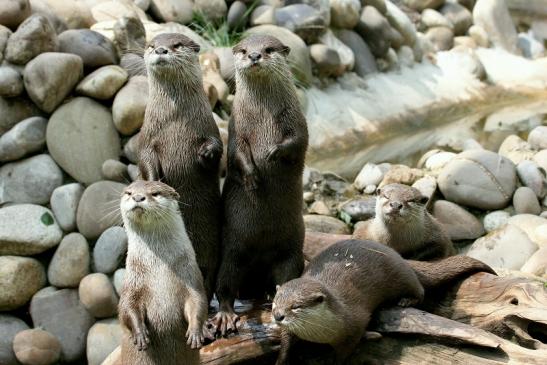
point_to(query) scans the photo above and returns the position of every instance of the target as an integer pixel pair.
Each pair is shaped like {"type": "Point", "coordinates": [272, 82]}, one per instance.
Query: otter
{"type": "Point", "coordinates": [180, 144]}
{"type": "Point", "coordinates": [163, 297]}
{"type": "Point", "coordinates": [403, 223]}
{"type": "Point", "coordinates": [263, 227]}
{"type": "Point", "coordinates": [333, 301]}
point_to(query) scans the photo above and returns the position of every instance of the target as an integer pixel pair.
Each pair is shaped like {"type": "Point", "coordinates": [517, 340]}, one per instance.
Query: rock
{"type": "Point", "coordinates": [538, 137]}
{"type": "Point", "coordinates": [26, 137]}
{"type": "Point", "coordinates": [401, 174]}
{"type": "Point", "coordinates": [21, 277]}
{"type": "Point", "coordinates": [540, 159]}
{"type": "Point", "coordinates": [11, 82]}
{"type": "Point", "coordinates": [493, 16]}
{"type": "Point", "coordinates": [211, 9]}
{"type": "Point", "coordinates": [9, 327]}
{"type": "Point", "coordinates": [60, 313]}
{"type": "Point", "coordinates": [114, 10]}
{"type": "Point", "coordinates": [97, 295]}
{"type": "Point", "coordinates": [459, 16]}
{"type": "Point", "coordinates": [172, 10]}
{"type": "Point", "coordinates": [14, 12]}
{"type": "Point", "coordinates": [326, 60]}
{"type": "Point", "coordinates": [319, 207]}
{"type": "Point", "coordinates": [345, 14]}
{"type": "Point", "coordinates": [110, 250]}
{"type": "Point", "coordinates": [98, 208]}
{"type": "Point", "coordinates": [495, 220]}
{"type": "Point", "coordinates": [432, 18]}
{"type": "Point", "coordinates": [42, 7]}
{"type": "Point", "coordinates": [360, 209]}
{"type": "Point", "coordinates": [210, 67]}
{"type": "Point", "coordinates": [226, 60]}
{"type": "Point", "coordinates": [70, 263]}
{"type": "Point", "coordinates": [95, 49]}
{"type": "Point", "coordinates": [14, 110]}
{"type": "Point", "coordinates": [102, 339]}
{"type": "Point", "coordinates": [467, 43]}
{"type": "Point", "coordinates": [5, 33]}
{"type": "Point", "coordinates": [119, 277]}
{"type": "Point", "coordinates": [458, 222]}
{"type": "Point", "coordinates": [34, 36]}
{"type": "Point", "coordinates": [427, 185]}
{"type": "Point", "coordinates": [441, 37]}
{"type": "Point", "coordinates": [129, 105]}
{"type": "Point", "coordinates": [237, 15]}
{"type": "Point", "coordinates": [299, 57]}
{"type": "Point", "coordinates": [64, 204]}
{"type": "Point", "coordinates": [439, 160]}
{"type": "Point", "coordinates": [507, 248]}
{"type": "Point", "coordinates": [325, 224]}
{"type": "Point", "coordinates": [537, 264]}
{"type": "Point", "coordinates": [400, 21]}
{"type": "Point", "coordinates": [27, 229]}
{"type": "Point", "coordinates": [421, 5]}
{"type": "Point", "coordinates": [374, 28]}
{"type": "Point", "coordinates": [531, 176]}
{"type": "Point", "coordinates": [129, 34]}
{"type": "Point", "coordinates": [525, 201]}
{"type": "Point", "coordinates": [405, 56]}
{"type": "Point", "coordinates": [262, 15]}
{"type": "Point", "coordinates": [75, 14]}
{"type": "Point", "coordinates": [50, 77]}
{"type": "Point", "coordinates": [365, 63]}
{"type": "Point", "coordinates": [479, 35]}
{"type": "Point", "coordinates": [303, 20]}
{"type": "Point", "coordinates": [533, 226]}
{"type": "Point", "coordinates": [36, 347]}
{"type": "Point", "coordinates": [530, 46]}
{"type": "Point", "coordinates": [516, 149]}
{"type": "Point", "coordinates": [347, 58]}
{"type": "Point", "coordinates": [370, 174]}
{"type": "Point", "coordinates": [130, 149]}
{"type": "Point", "coordinates": [479, 179]}
{"type": "Point", "coordinates": [115, 171]}
{"type": "Point", "coordinates": [103, 83]}
{"type": "Point", "coordinates": [30, 181]}
{"type": "Point", "coordinates": [81, 136]}
{"type": "Point", "coordinates": [380, 5]}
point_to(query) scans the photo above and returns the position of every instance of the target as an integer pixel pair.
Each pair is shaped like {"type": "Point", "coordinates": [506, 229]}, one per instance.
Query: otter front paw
{"type": "Point", "coordinates": [251, 181]}
{"type": "Point", "coordinates": [141, 338]}
{"type": "Point", "coordinates": [210, 151]}
{"type": "Point", "coordinates": [225, 323]}
{"type": "Point", "coordinates": [408, 302]}
{"type": "Point", "coordinates": [195, 338]}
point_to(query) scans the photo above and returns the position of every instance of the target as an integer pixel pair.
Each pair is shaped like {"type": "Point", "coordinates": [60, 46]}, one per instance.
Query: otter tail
{"type": "Point", "coordinates": [442, 272]}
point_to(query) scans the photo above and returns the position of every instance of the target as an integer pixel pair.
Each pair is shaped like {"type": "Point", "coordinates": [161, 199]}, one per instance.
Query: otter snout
{"type": "Point", "coordinates": [396, 206]}
{"type": "Point", "coordinates": [255, 57]}
{"type": "Point", "coordinates": [278, 317]}
{"type": "Point", "coordinates": [139, 198]}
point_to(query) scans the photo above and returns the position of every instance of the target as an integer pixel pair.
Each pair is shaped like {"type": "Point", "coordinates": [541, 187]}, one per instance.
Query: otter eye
{"type": "Point", "coordinates": [243, 52]}
{"type": "Point", "coordinates": [128, 193]}
{"type": "Point", "coordinates": [178, 45]}
{"type": "Point", "coordinates": [319, 299]}
{"type": "Point", "coordinates": [269, 50]}
{"type": "Point", "coordinates": [296, 306]}
{"type": "Point", "coordinates": [156, 193]}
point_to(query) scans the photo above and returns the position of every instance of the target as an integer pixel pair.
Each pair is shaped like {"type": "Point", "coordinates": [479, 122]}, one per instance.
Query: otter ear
{"type": "Point", "coordinates": [277, 287]}
{"type": "Point", "coordinates": [194, 46]}
{"type": "Point", "coordinates": [319, 298]}
{"type": "Point", "coordinates": [379, 191]}
{"type": "Point", "coordinates": [285, 50]}
{"type": "Point", "coordinates": [423, 199]}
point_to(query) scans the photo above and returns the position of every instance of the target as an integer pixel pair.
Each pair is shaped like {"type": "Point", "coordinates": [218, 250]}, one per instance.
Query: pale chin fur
{"type": "Point", "coordinates": [146, 215]}
{"type": "Point", "coordinates": [314, 324]}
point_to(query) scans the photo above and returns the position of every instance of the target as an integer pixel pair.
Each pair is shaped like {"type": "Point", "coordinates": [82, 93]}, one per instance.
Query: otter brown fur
{"type": "Point", "coordinates": [403, 223]}
{"type": "Point", "coordinates": [263, 228]}
{"type": "Point", "coordinates": [180, 143]}
{"type": "Point", "coordinates": [163, 299]}
{"type": "Point", "coordinates": [333, 301]}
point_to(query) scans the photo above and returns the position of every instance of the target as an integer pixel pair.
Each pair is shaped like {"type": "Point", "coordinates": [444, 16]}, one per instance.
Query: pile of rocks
{"type": "Point", "coordinates": [72, 99]}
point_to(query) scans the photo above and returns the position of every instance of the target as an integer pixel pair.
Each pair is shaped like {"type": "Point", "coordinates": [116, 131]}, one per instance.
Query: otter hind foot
{"type": "Point", "coordinates": [408, 302]}
{"type": "Point", "coordinates": [225, 323]}
{"type": "Point", "coordinates": [141, 338]}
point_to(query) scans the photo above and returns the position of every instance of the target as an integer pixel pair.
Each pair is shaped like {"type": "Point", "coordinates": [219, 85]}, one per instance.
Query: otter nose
{"type": "Point", "coordinates": [161, 50]}
{"type": "Point", "coordinates": [138, 198]}
{"type": "Point", "coordinates": [278, 317]}
{"type": "Point", "coordinates": [396, 205]}
{"type": "Point", "coordinates": [254, 56]}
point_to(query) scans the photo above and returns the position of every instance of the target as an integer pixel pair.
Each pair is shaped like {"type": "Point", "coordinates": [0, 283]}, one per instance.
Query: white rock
{"type": "Point", "coordinates": [493, 16]}
{"type": "Point", "coordinates": [537, 264]}
{"type": "Point", "coordinates": [533, 225]}
{"type": "Point", "coordinates": [102, 339]}
{"type": "Point", "coordinates": [531, 176]}
{"type": "Point", "coordinates": [495, 220]}
{"type": "Point", "coordinates": [538, 137]}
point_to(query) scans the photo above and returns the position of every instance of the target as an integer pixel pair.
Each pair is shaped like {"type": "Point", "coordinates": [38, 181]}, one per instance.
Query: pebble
{"type": "Point", "coordinates": [64, 204]}
{"type": "Point", "coordinates": [360, 209]}
{"type": "Point", "coordinates": [110, 250]}
{"type": "Point", "coordinates": [75, 14]}
{"type": "Point", "coordinates": [98, 296]}
{"type": "Point", "coordinates": [211, 9]}
{"type": "Point", "coordinates": [345, 14]}
{"type": "Point", "coordinates": [459, 16]}
{"type": "Point", "coordinates": [495, 220]}
{"type": "Point", "coordinates": [516, 149]}
{"type": "Point", "coordinates": [179, 11]}
{"type": "Point", "coordinates": [133, 172]}
{"type": "Point", "coordinates": [113, 10]}
{"type": "Point", "coordinates": [262, 15]}
{"type": "Point", "coordinates": [347, 58]}
{"type": "Point", "coordinates": [478, 178]}
{"type": "Point", "coordinates": [34, 36]}
{"type": "Point", "coordinates": [432, 18]}
{"type": "Point", "coordinates": [531, 176]}
{"type": "Point", "coordinates": [421, 5]}
{"type": "Point", "coordinates": [21, 278]}
{"type": "Point", "coordinates": [508, 247]}
{"type": "Point", "coordinates": [70, 263]}
{"type": "Point", "coordinates": [11, 82]}
{"type": "Point", "coordinates": [365, 63]}
{"type": "Point", "coordinates": [102, 339]}
{"type": "Point", "coordinates": [427, 186]}
{"type": "Point", "coordinates": [374, 28]}
{"type": "Point", "coordinates": [325, 224]}
{"type": "Point", "coordinates": [370, 174]}
{"type": "Point", "coordinates": [380, 5]}
{"type": "Point", "coordinates": [27, 229]}
{"type": "Point", "coordinates": [36, 347]}
{"type": "Point", "coordinates": [129, 34]}
{"type": "Point", "coordinates": [103, 83]}
{"type": "Point", "coordinates": [9, 327]}
{"type": "Point", "coordinates": [538, 137]}
{"type": "Point", "coordinates": [129, 105]}
{"type": "Point", "coordinates": [320, 207]}
{"type": "Point", "coordinates": [458, 222]}
{"type": "Point", "coordinates": [237, 18]}
{"type": "Point", "coordinates": [95, 49]}
{"type": "Point", "coordinates": [400, 21]}
{"type": "Point", "coordinates": [303, 20]}
{"type": "Point", "coordinates": [60, 313]}
{"type": "Point", "coordinates": [441, 37]}
{"type": "Point", "coordinates": [119, 277]}
{"type": "Point", "coordinates": [537, 264]}
{"type": "Point", "coordinates": [326, 60]}
{"type": "Point", "coordinates": [30, 181]}
{"type": "Point", "coordinates": [534, 226]}
{"type": "Point", "coordinates": [81, 136]}
{"type": "Point", "coordinates": [530, 46]}
{"type": "Point", "coordinates": [14, 110]}
{"type": "Point", "coordinates": [115, 170]}
{"type": "Point", "coordinates": [50, 77]}
{"type": "Point", "coordinates": [541, 159]}
{"type": "Point", "coordinates": [494, 17]}
{"type": "Point", "coordinates": [14, 12]}
{"type": "Point", "coordinates": [5, 33]}
{"type": "Point", "coordinates": [401, 174]}
{"type": "Point", "coordinates": [369, 189]}
{"type": "Point", "coordinates": [525, 201]}
{"type": "Point", "coordinates": [479, 35]}
{"type": "Point", "coordinates": [25, 137]}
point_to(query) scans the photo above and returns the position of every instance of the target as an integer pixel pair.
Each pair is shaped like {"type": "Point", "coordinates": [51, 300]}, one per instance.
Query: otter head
{"type": "Point", "coordinates": [398, 203]}
{"type": "Point", "coordinates": [148, 204]}
{"type": "Point", "coordinates": [303, 307]}
{"type": "Point", "coordinates": [171, 53]}
{"type": "Point", "coordinates": [261, 55]}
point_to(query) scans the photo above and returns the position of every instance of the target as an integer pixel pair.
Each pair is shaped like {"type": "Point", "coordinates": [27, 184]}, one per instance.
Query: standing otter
{"type": "Point", "coordinates": [163, 297]}
{"type": "Point", "coordinates": [263, 230]}
{"type": "Point", "coordinates": [180, 143]}
{"type": "Point", "coordinates": [403, 223]}
{"type": "Point", "coordinates": [333, 301]}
